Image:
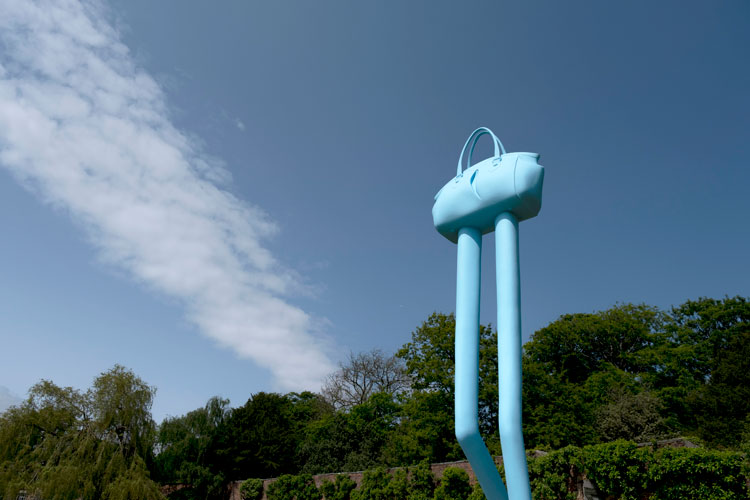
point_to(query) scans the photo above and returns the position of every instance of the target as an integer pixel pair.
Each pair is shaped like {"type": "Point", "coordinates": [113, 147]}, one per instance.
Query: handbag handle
{"type": "Point", "coordinates": [475, 136]}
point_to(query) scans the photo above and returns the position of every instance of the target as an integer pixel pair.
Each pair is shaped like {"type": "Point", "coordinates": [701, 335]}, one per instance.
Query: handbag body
{"type": "Point", "coordinates": [505, 182]}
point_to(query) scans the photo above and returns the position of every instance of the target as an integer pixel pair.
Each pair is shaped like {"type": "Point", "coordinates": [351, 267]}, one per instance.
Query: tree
{"type": "Point", "coordinates": [185, 450]}
{"type": "Point", "coordinates": [64, 443]}
{"type": "Point", "coordinates": [364, 375]}
{"type": "Point", "coordinates": [427, 430]}
{"type": "Point", "coordinates": [577, 345]}
{"type": "Point", "coordinates": [121, 403]}
{"type": "Point", "coordinates": [573, 367]}
{"type": "Point", "coordinates": [350, 441]}
{"type": "Point", "coordinates": [430, 361]}
{"type": "Point", "coordinates": [703, 370]}
{"type": "Point", "coordinates": [260, 438]}
{"type": "Point", "coordinates": [556, 412]}
{"type": "Point", "coordinates": [327, 444]}
{"type": "Point", "coordinates": [633, 417]}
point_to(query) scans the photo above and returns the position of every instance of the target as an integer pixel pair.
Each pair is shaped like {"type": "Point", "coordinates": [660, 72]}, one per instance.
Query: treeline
{"type": "Point", "coordinates": [631, 372]}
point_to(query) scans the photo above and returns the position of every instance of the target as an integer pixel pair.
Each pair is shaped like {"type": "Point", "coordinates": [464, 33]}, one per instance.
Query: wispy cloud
{"type": "Point", "coordinates": [88, 131]}
{"type": "Point", "coordinates": [239, 124]}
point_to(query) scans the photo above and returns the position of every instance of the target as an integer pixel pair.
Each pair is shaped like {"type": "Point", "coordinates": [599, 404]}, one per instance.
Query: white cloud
{"type": "Point", "coordinates": [239, 124]}
{"type": "Point", "coordinates": [88, 131]}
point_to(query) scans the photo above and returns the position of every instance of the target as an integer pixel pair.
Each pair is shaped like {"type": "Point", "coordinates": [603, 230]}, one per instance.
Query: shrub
{"type": "Point", "coordinates": [555, 475]}
{"type": "Point", "coordinates": [695, 473]}
{"type": "Point", "coordinates": [398, 488]}
{"type": "Point", "coordinates": [421, 483]}
{"type": "Point", "coordinates": [283, 488]}
{"type": "Point", "coordinates": [454, 485]}
{"type": "Point", "coordinates": [477, 493]}
{"type": "Point", "coordinates": [618, 469]}
{"type": "Point", "coordinates": [252, 489]}
{"type": "Point", "coordinates": [306, 489]}
{"type": "Point", "coordinates": [374, 485]}
{"type": "Point", "coordinates": [288, 487]}
{"type": "Point", "coordinates": [340, 489]}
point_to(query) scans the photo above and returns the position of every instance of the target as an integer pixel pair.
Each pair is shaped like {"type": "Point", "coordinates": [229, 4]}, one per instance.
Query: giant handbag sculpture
{"type": "Point", "coordinates": [493, 195]}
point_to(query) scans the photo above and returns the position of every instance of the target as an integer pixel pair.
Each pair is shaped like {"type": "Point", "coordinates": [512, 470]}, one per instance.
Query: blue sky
{"type": "Point", "coordinates": [228, 197]}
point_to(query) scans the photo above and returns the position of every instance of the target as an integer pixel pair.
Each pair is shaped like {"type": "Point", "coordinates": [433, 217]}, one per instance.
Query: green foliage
{"type": "Point", "coordinates": [284, 488]}
{"type": "Point", "coordinates": [64, 443]}
{"type": "Point", "coordinates": [630, 416]}
{"type": "Point", "coordinates": [371, 424]}
{"type": "Point", "coordinates": [340, 489]}
{"type": "Point", "coordinates": [289, 487]}
{"type": "Point", "coordinates": [578, 345]}
{"type": "Point", "coordinates": [698, 474]}
{"type": "Point", "coordinates": [454, 485]}
{"type": "Point", "coordinates": [427, 430]}
{"type": "Point", "coordinates": [327, 444]}
{"type": "Point", "coordinates": [581, 369]}
{"type": "Point", "coordinates": [477, 493]}
{"type": "Point", "coordinates": [421, 482]}
{"type": "Point", "coordinates": [556, 413]}
{"type": "Point", "coordinates": [374, 486]}
{"type": "Point", "coordinates": [704, 376]}
{"type": "Point", "coordinates": [618, 468]}
{"type": "Point", "coordinates": [261, 437]}
{"type": "Point", "coordinates": [252, 489]}
{"type": "Point", "coordinates": [430, 354]}
{"type": "Point", "coordinates": [307, 489]}
{"type": "Point", "coordinates": [134, 484]}
{"type": "Point", "coordinates": [630, 372]}
{"type": "Point", "coordinates": [554, 475]}
{"type": "Point", "coordinates": [258, 438]}
{"type": "Point", "coordinates": [122, 404]}
{"type": "Point", "coordinates": [398, 488]}
{"type": "Point", "coordinates": [350, 441]}
{"type": "Point", "coordinates": [328, 489]}
{"type": "Point", "coordinates": [621, 470]}
{"type": "Point", "coordinates": [186, 450]}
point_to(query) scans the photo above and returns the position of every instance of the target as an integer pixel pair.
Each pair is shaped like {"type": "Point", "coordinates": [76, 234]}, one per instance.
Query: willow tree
{"type": "Point", "coordinates": [63, 443]}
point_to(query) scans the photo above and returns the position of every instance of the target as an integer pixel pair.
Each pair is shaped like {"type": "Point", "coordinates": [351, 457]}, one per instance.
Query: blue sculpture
{"type": "Point", "coordinates": [493, 195]}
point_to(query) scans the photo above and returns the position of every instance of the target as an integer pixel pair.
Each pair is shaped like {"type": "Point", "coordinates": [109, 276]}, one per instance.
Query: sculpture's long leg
{"type": "Point", "coordinates": [509, 356]}
{"type": "Point", "coordinates": [467, 365]}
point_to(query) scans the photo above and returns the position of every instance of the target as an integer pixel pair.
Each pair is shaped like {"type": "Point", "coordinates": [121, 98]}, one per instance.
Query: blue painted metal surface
{"type": "Point", "coordinates": [492, 195]}
{"type": "Point", "coordinates": [467, 350]}
{"type": "Point", "coordinates": [509, 355]}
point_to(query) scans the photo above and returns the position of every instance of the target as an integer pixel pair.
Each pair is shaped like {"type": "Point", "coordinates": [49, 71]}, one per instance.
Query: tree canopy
{"type": "Point", "coordinates": [65, 443]}
{"type": "Point", "coordinates": [629, 372]}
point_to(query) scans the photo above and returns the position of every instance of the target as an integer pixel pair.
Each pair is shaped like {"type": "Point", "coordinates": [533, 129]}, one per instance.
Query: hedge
{"type": "Point", "coordinates": [340, 489]}
{"type": "Point", "coordinates": [252, 489]}
{"type": "Point", "coordinates": [620, 470]}
{"type": "Point", "coordinates": [289, 487]}
{"type": "Point", "coordinates": [623, 471]}
{"type": "Point", "coordinates": [454, 485]}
